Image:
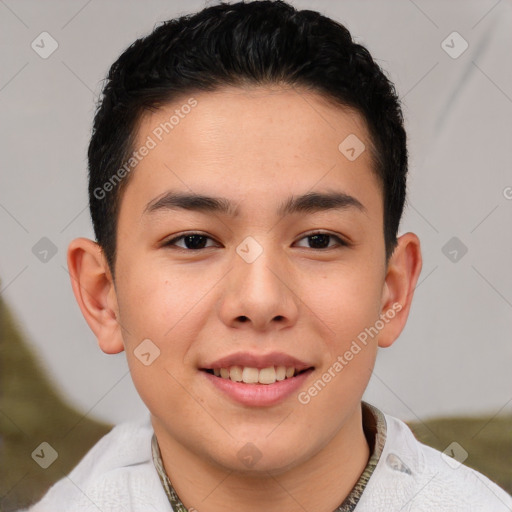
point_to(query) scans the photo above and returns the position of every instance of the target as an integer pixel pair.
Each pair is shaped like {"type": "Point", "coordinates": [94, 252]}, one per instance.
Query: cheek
{"type": "Point", "coordinates": [158, 298]}
{"type": "Point", "coordinates": [349, 308]}
{"type": "Point", "coordinates": [161, 316]}
{"type": "Point", "coordinates": [347, 301]}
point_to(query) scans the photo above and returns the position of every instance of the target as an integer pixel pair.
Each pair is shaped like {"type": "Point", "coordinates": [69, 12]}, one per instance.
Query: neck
{"type": "Point", "coordinates": [331, 473]}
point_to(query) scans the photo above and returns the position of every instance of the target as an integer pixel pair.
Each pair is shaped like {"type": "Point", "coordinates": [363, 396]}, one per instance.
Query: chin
{"type": "Point", "coordinates": [261, 458]}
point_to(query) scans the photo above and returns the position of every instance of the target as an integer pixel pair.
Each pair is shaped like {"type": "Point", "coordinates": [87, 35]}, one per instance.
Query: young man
{"type": "Point", "coordinates": [247, 175]}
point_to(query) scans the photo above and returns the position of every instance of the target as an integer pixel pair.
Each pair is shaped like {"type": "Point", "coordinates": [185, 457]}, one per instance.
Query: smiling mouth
{"type": "Point", "coordinates": [250, 375]}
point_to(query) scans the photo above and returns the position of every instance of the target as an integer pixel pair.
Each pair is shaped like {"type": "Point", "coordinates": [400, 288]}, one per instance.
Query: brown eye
{"type": "Point", "coordinates": [191, 241]}
{"type": "Point", "coordinates": [322, 240]}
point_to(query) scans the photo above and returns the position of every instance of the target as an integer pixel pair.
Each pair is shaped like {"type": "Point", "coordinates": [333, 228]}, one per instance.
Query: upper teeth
{"type": "Point", "coordinates": [250, 375]}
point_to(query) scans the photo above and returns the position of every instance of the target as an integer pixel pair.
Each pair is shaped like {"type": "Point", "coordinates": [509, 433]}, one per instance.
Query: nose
{"type": "Point", "coordinates": [259, 295]}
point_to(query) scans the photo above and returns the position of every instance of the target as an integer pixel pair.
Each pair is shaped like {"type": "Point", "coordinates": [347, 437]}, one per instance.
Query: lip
{"type": "Point", "coordinates": [258, 395]}
{"type": "Point", "coordinates": [259, 361]}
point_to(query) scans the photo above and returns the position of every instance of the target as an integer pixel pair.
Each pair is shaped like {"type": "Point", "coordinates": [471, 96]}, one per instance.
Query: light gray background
{"type": "Point", "coordinates": [454, 356]}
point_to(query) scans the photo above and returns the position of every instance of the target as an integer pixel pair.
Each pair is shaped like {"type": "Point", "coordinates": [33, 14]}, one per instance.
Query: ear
{"type": "Point", "coordinates": [402, 274]}
{"type": "Point", "coordinates": [94, 291]}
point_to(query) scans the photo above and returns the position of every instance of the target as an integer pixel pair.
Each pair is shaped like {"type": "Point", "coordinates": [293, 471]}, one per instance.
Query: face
{"type": "Point", "coordinates": [254, 285]}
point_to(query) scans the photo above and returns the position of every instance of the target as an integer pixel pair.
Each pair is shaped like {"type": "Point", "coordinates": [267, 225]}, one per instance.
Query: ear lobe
{"type": "Point", "coordinates": [94, 291]}
{"type": "Point", "coordinates": [403, 270]}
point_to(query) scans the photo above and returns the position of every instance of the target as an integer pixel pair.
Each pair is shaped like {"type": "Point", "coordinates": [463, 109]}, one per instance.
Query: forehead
{"type": "Point", "coordinates": [245, 142]}
{"type": "Point", "coordinates": [250, 115]}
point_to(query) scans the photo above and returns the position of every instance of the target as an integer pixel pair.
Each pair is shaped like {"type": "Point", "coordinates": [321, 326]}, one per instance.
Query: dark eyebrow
{"type": "Point", "coordinates": [310, 202]}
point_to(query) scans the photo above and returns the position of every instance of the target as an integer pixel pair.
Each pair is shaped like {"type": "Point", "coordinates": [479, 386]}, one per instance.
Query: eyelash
{"type": "Point", "coordinates": [170, 243]}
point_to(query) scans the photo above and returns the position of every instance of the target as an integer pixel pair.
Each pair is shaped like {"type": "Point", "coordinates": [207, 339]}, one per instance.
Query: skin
{"type": "Point", "coordinates": [254, 146]}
